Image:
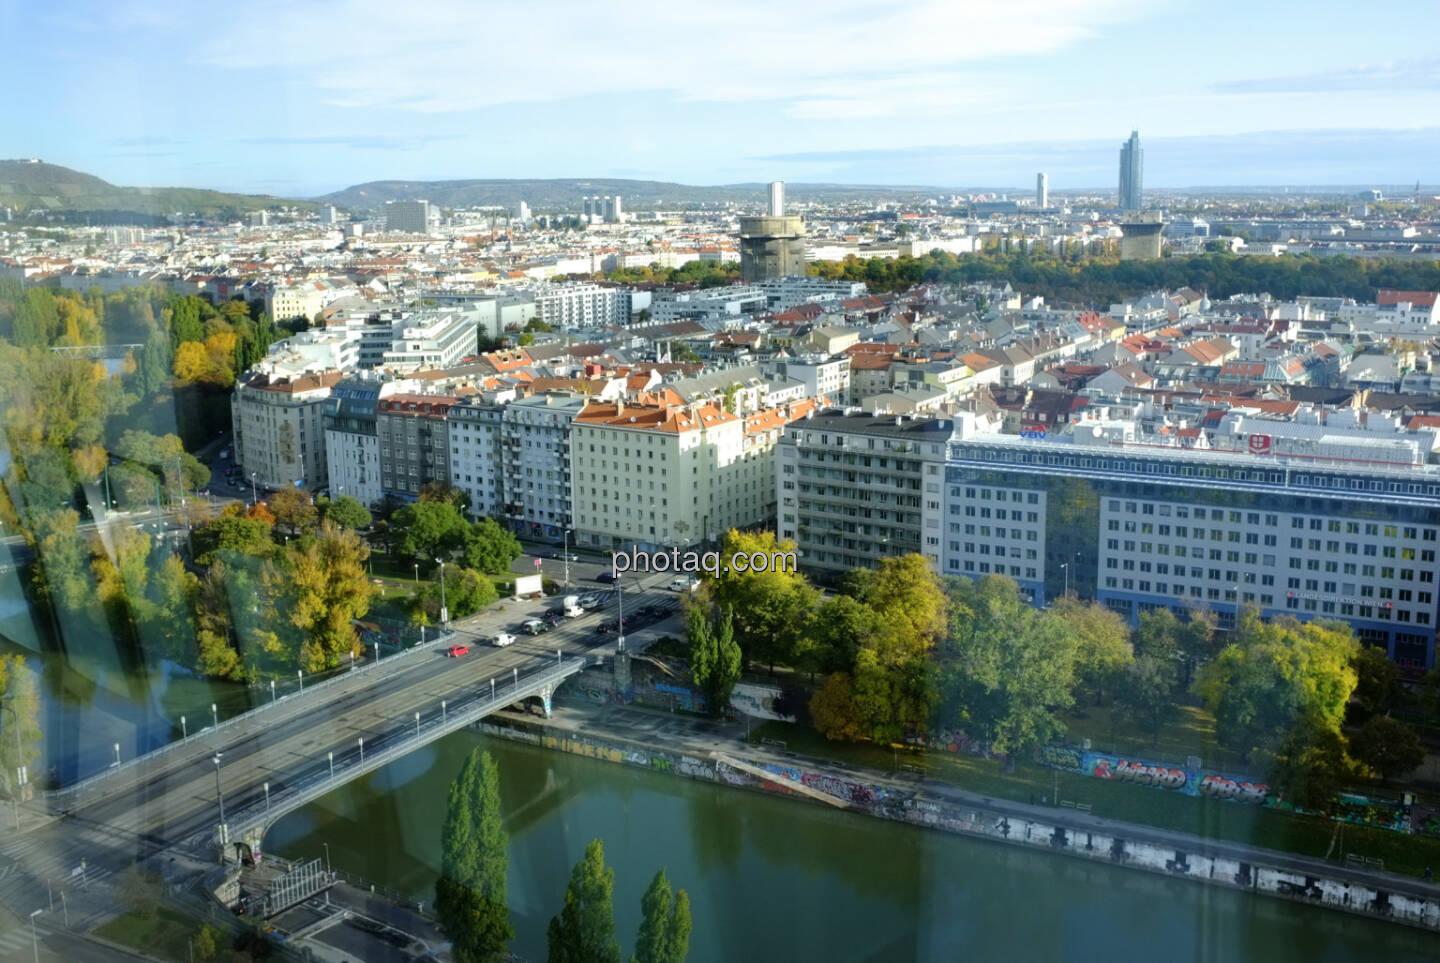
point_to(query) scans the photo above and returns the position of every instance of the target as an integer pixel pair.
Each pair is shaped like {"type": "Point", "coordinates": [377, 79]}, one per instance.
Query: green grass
{"type": "Point", "coordinates": [163, 933]}
{"type": "Point", "coordinates": [1233, 822]}
{"type": "Point", "coordinates": [1190, 732]}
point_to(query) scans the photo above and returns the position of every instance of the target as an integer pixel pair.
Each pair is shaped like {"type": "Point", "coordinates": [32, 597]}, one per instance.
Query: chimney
{"type": "Point", "coordinates": [619, 406]}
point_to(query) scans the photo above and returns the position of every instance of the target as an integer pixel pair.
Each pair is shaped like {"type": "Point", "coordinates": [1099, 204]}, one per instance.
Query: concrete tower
{"type": "Point", "coordinates": [772, 245]}
{"type": "Point", "coordinates": [1140, 236]}
{"type": "Point", "coordinates": [1132, 163]}
{"type": "Point", "coordinates": [1042, 190]}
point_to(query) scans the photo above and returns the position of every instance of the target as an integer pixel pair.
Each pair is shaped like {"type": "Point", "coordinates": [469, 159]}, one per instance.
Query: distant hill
{"type": "Point", "coordinates": [34, 185]}
{"type": "Point", "coordinates": [566, 194]}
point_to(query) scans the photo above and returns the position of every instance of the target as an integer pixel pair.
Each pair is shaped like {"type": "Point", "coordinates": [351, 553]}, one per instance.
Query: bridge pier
{"type": "Point", "coordinates": [545, 700]}
{"type": "Point", "coordinates": [622, 671]}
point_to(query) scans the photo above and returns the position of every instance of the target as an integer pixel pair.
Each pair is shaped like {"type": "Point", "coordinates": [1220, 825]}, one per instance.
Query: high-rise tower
{"type": "Point", "coordinates": [1132, 162]}
{"type": "Point", "coordinates": [1042, 191]}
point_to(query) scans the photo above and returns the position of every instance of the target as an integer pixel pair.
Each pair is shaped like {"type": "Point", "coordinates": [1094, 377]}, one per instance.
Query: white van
{"type": "Point", "coordinates": [503, 639]}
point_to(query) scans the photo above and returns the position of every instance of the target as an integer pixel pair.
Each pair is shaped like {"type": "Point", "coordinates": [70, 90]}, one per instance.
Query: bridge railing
{"type": "Point", "coordinates": [321, 779]}
{"type": "Point", "coordinates": [77, 792]}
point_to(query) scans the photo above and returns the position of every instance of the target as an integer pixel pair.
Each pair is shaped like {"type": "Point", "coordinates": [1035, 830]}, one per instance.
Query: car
{"type": "Point", "coordinates": [565, 556]}
{"type": "Point", "coordinates": [609, 578]}
{"type": "Point", "coordinates": [535, 626]}
{"type": "Point", "coordinates": [589, 600]}
{"type": "Point", "coordinates": [555, 612]}
{"type": "Point", "coordinates": [554, 620]}
{"type": "Point", "coordinates": [679, 584]}
{"type": "Point", "coordinates": [455, 651]}
{"type": "Point", "coordinates": [502, 639]}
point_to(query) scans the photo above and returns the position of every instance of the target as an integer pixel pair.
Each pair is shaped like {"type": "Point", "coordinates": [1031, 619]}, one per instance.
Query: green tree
{"type": "Point", "coordinates": [1102, 644]}
{"type": "Point", "coordinates": [490, 548]}
{"type": "Point", "coordinates": [1277, 678]}
{"type": "Point", "coordinates": [770, 609]}
{"type": "Point", "coordinates": [1388, 747]}
{"type": "Point", "coordinates": [347, 512]}
{"type": "Point", "coordinates": [1377, 681]}
{"type": "Point", "coordinates": [664, 924]}
{"type": "Point", "coordinates": [21, 703]}
{"type": "Point", "coordinates": [428, 528]}
{"type": "Point", "coordinates": [466, 592]}
{"type": "Point", "coordinates": [584, 930]}
{"type": "Point", "coordinates": [294, 509]}
{"type": "Point", "coordinates": [327, 579]}
{"type": "Point", "coordinates": [715, 661]}
{"type": "Point", "coordinates": [1146, 695]}
{"type": "Point", "coordinates": [470, 894]}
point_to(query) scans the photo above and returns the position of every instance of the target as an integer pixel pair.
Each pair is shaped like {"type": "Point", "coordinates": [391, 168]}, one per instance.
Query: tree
{"type": "Point", "coordinates": [21, 704]}
{"type": "Point", "coordinates": [584, 931]}
{"type": "Point", "coordinates": [429, 527]}
{"type": "Point", "coordinates": [1310, 766]}
{"type": "Point", "coordinates": [327, 577]}
{"type": "Point", "coordinates": [1007, 671]}
{"type": "Point", "coordinates": [1388, 747]}
{"type": "Point", "coordinates": [715, 660]}
{"type": "Point", "coordinates": [347, 512]}
{"type": "Point", "coordinates": [207, 943]}
{"type": "Point", "coordinates": [1377, 681]}
{"type": "Point", "coordinates": [293, 508]}
{"type": "Point", "coordinates": [470, 894]}
{"type": "Point", "coordinates": [770, 609]}
{"type": "Point", "coordinates": [490, 548]}
{"type": "Point", "coordinates": [1102, 643]}
{"type": "Point", "coordinates": [1146, 695]}
{"type": "Point", "coordinates": [466, 592]}
{"type": "Point", "coordinates": [1277, 677]}
{"type": "Point", "coordinates": [664, 924]}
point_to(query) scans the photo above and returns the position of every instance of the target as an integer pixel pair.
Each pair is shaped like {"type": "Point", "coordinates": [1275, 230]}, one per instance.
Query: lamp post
{"type": "Point", "coordinates": [492, 689]}
{"type": "Point", "coordinates": [620, 598]}
{"type": "Point", "coordinates": [1065, 567]}
{"type": "Point", "coordinates": [442, 712]}
{"type": "Point", "coordinates": [444, 610]}
{"type": "Point", "coordinates": [219, 793]}
{"type": "Point", "coordinates": [417, 725]}
{"type": "Point", "coordinates": [377, 651]}
{"type": "Point", "coordinates": [254, 493]}
{"type": "Point", "coordinates": [300, 674]}
{"type": "Point", "coordinates": [565, 554]}
{"type": "Point", "coordinates": [184, 729]}
{"type": "Point", "coordinates": [34, 936]}
{"type": "Point", "coordinates": [214, 714]}
{"type": "Point", "coordinates": [267, 797]}
{"type": "Point", "coordinates": [417, 574]}
{"type": "Point", "coordinates": [327, 857]}
{"type": "Point", "coordinates": [361, 740]}
{"type": "Point", "coordinates": [272, 690]}
{"type": "Point", "coordinates": [117, 753]}
{"type": "Point", "coordinates": [332, 765]}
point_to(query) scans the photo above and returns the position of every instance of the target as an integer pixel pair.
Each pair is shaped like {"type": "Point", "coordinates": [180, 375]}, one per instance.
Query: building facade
{"type": "Point", "coordinates": [1141, 528]}
{"type": "Point", "coordinates": [535, 463]}
{"type": "Point", "coordinates": [279, 429]}
{"type": "Point", "coordinates": [475, 463]}
{"type": "Point", "coordinates": [407, 217]}
{"type": "Point", "coordinates": [1132, 168]}
{"type": "Point", "coordinates": [414, 442]}
{"type": "Point", "coordinates": [854, 488]}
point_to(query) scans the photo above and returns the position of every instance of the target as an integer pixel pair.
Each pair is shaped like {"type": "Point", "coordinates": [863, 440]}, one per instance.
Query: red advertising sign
{"type": "Point", "coordinates": [1259, 444]}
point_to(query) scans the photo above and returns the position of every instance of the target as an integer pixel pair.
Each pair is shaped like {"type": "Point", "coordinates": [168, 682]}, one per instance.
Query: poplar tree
{"type": "Point", "coordinates": [584, 931]}
{"type": "Point", "coordinates": [664, 924]}
{"type": "Point", "coordinates": [470, 895]}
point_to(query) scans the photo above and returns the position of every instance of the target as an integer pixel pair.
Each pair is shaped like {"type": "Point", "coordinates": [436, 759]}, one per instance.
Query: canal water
{"type": "Point", "coordinates": [775, 879]}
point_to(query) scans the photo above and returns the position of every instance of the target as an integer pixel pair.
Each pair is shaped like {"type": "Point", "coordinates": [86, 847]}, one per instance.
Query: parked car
{"type": "Point", "coordinates": [455, 651]}
{"type": "Point", "coordinates": [503, 639]}
{"type": "Point", "coordinates": [535, 626]}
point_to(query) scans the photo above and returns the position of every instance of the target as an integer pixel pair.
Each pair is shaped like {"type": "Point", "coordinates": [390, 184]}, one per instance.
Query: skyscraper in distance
{"type": "Point", "coordinates": [1132, 162]}
{"type": "Point", "coordinates": [1042, 190]}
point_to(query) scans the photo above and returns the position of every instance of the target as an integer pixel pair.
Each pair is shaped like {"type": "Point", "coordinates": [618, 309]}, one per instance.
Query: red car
{"type": "Point", "coordinates": [455, 651]}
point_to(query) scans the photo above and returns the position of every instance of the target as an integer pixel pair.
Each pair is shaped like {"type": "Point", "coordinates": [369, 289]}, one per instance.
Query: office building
{"type": "Point", "coordinates": [772, 245]}
{"type": "Point", "coordinates": [1132, 162]}
{"type": "Point", "coordinates": [855, 488]}
{"type": "Point", "coordinates": [439, 339]}
{"type": "Point", "coordinates": [407, 217]}
{"type": "Point", "coordinates": [1141, 527]}
{"type": "Point", "coordinates": [613, 210]}
{"type": "Point", "coordinates": [1042, 191]}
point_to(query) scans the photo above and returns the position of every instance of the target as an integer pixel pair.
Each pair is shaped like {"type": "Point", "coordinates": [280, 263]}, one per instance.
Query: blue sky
{"type": "Point", "coordinates": [298, 98]}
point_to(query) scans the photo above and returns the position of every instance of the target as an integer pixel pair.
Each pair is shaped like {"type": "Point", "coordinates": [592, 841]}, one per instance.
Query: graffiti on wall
{"type": "Point", "coordinates": [1140, 772]}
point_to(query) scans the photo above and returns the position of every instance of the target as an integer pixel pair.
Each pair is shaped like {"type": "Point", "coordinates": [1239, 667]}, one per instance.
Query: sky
{"type": "Point", "coordinates": [301, 97]}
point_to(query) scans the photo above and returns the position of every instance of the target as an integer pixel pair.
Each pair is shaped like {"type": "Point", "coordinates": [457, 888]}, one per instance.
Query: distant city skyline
{"type": "Point", "coordinates": [300, 99]}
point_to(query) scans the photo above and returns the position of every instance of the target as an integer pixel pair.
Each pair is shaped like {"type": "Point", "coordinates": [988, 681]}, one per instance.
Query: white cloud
{"type": "Point", "coordinates": [833, 59]}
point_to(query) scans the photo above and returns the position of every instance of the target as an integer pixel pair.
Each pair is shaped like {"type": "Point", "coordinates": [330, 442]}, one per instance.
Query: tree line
{"type": "Point", "coordinates": [1100, 280]}
{"type": "Point", "coordinates": [901, 653]}
{"type": "Point", "coordinates": [471, 893]}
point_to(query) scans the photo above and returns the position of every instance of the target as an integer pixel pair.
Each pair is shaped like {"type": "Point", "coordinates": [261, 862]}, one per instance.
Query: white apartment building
{"type": "Point", "coordinates": [823, 376]}
{"type": "Point", "coordinates": [782, 294]}
{"type": "Point", "coordinates": [279, 429]}
{"type": "Point", "coordinates": [715, 308]}
{"type": "Point", "coordinates": [352, 445]}
{"type": "Point", "coordinates": [302, 299]}
{"type": "Point", "coordinates": [475, 462]}
{"type": "Point", "coordinates": [854, 488]}
{"type": "Point", "coordinates": [535, 462]}
{"type": "Point", "coordinates": [583, 304]}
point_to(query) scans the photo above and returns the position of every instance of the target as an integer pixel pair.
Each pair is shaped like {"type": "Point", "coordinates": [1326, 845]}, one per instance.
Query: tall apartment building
{"type": "Point", "coordinates": [855, 488]}
{"type": "Point", "coordinates": [414, 442]}
{"type": "Point", "coordinates": [1144, 527]}
{"type": "Point", "coordinates": [278, 428]}
{"type": "Point", "coordinates": [407, 217]}
{"type": "Point", "coordinates": [535, 462]}
{"type": "Point", "coordinates": [352, 440]}
{"type": "Point", "coordinates": [654, 475]}
{"type": "Point", "coordinates": [475, 463]}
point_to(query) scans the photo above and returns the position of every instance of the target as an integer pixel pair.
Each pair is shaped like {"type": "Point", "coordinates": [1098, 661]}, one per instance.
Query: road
{"type": "Point", "coordinates": [170, 798]}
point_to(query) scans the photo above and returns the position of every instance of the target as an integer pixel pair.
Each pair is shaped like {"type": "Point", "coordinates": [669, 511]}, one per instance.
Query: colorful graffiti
{"type": "Point", "coordinates": [1143, 773]}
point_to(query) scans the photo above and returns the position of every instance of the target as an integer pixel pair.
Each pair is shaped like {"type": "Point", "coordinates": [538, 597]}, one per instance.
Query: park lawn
{"type": "Point", "coordinates": [1214, 819]}
{"type": "Point", "coordinates": [1190, 733]}
{"type": "Point", "coordinates": [164, 932]}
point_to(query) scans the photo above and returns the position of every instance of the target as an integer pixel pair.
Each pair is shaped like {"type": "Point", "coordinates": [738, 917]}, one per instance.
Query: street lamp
{"type": "Point", "coordinates": [327, 857]}
{"type": "Point", "coordinates": [1065, 567]}
{"type": "Point", "coordinates": [417, 573]}
{"type": "Point", "coordinates": [361, 739]}
{"type": "Point", "coordinates": [267, 797]}
{"type": "Point", "coordinates": [272, 690]}
{"type": "Point", "coordinates": [620, 597]}
{"type": "Point", "coordinates": [215, 713]}
{"type": "Point", "coordinates": [34, 936]}
{"type": "Point", "coordinates": [117, 753]}
{"type": "Point", "coordinates": [254, 494]}
{"type": "Point", "coordinates": [444, 610]}
{"type": "Point", "coordinates": [442, 712]}
{"type": "Point", "coordinates": [219, 793]}
{"type": "Point", "coordinates": [300, 674]}
{"type": "Point", "coordinates": [332, 765]}
{"type": "Point", "coordinates": [565, 553]}
{"type": "Point", "coordinates": [377, 651]}
{"type": "Point", "coordinates": [184, 729]}
{"type": "Point", "coordinates": [417, 725]}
